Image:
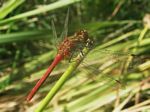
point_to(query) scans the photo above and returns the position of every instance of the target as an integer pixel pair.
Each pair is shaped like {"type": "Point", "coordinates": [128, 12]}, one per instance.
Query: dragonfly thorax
{"type": "Point", "coordinates": [79, 40]}
{"type": "Point", "coordinates": [82, 36]}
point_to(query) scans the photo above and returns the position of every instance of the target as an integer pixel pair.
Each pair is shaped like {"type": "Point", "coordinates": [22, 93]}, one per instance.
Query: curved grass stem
{"type": "Point", "coordinates": [61, 81]}
{"type": "Point", "coordinates": [40, 10]}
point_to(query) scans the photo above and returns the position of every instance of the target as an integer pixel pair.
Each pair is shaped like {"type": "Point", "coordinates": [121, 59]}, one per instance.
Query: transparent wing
{"type": "Point", "coordinates": [103, 71]}
{"type": "Point", "coordinates": [54, 33]}
{"type": "Point", "coordinates": [65, 31]}
{"type": "Point", "coordinates": [110, 64]}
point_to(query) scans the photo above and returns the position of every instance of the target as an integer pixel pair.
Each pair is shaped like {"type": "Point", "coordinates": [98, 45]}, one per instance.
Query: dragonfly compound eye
{"type": "Point", "coordinates": [82, 34]}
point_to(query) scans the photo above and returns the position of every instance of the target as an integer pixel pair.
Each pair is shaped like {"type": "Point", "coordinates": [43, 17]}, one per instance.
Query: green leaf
{"type": "Point", "coordinates": [9, 6]}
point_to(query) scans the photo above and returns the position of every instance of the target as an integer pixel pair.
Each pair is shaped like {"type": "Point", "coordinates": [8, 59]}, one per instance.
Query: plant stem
{"type": "Point", "coordinates": [61, 81]}
{"type": "Point", "coordinates": [40, 10]}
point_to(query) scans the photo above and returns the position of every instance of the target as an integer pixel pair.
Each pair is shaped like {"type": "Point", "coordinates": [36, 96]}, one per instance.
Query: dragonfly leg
{"type": "Point", "coordinates": [81, 52]}
{"type": "Point", "coordinates": [70, 58]}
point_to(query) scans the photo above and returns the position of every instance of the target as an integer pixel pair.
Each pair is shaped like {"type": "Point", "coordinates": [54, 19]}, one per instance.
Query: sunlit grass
{"type": "Point", "coordinates": [26, 50]}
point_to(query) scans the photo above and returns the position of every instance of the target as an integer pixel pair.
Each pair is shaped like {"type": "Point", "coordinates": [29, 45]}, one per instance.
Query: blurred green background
{"type": "Point", "coordinates": [114, 76]}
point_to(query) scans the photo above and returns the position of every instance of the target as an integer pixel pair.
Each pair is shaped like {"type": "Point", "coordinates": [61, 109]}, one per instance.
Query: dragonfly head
{"type": "Point", "coordinates": [82, 35]}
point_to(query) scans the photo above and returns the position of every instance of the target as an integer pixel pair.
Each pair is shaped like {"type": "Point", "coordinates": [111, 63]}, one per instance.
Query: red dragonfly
{"type": "Point", "coordinates": [65, 50]}
{"type": "Point", "coordinates": [76, 42]}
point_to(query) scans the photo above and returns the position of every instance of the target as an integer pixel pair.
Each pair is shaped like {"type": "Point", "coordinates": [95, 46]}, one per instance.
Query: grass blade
{"type": "Point", "coordinates": [40, 10]}
{"type": "Point", "coordinates": [9, 7]}
{"type": "Point", "coordinates": [60, 82]}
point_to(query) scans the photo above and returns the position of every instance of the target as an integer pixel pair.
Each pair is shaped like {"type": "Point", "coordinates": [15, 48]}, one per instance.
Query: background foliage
{"type": "Point", "coordinates": [27, 47]}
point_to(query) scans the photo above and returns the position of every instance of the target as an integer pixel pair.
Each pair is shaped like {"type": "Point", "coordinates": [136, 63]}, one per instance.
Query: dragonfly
{"type": "Point", "coordinates": [76, 42]}
{"type": "Point", "coordinates": [66, 50]}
